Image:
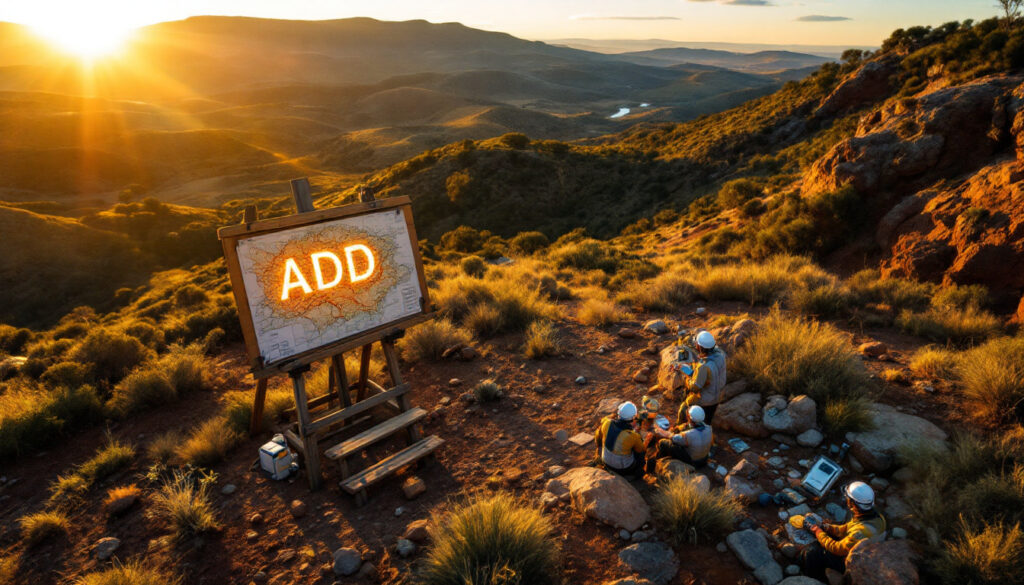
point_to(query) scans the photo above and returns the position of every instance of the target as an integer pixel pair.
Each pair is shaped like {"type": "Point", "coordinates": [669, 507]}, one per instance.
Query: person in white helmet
{"type": "Point", "coordinates": [692, 444]}
{"type": "Point", "coordinates": [835, 541]}
{"type": "Point", "coordinates": [620, 447]}
{"type": "Point", "coordinates": [704, 385]}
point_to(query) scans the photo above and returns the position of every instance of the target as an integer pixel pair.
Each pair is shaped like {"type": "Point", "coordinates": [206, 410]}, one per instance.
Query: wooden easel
{"type": "Point", "coordinates": [341, 410]}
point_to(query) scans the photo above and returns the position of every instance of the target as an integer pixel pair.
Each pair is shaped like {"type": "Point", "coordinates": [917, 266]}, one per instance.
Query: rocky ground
{"type": "Point", "coordinates": [534, 442]}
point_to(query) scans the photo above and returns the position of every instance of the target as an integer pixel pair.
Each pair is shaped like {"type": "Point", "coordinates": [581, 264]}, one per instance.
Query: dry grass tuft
{"type": "Point", "coordinates": [541, 341]}
{"type": "Point", "coordinates": [209, 443]}
{"type": "Point", "coordinates": [130, 573]}
{"type": "Point", "coordinates": [35, 528]}
{"type": "Point", "coordinates": [993, 379]}
{"type": "Point", "coordinates": [599, 313]}
{"type": "Point", "coordinates": [961, 327]}
{"type": "Point", "coordinates": [184, 503]}
{"type": "Point", "coordinates": [933, 362]}
{"type": "Point", "coordinates": [692, 516]}
{"type": "Point", "coordinates": [989, 554]}
{"type": "Point", "coordinates": [427, 341]}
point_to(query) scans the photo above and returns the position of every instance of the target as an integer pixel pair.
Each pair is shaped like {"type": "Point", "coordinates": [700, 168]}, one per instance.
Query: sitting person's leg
{"type": "Point", "coordinates": [815, 559]}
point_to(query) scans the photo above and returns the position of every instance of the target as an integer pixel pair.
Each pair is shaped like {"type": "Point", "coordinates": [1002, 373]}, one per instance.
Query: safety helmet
{"type": "Point", "coordinates": [860, 494]}
{"type": "Point", "coordinates": [627, 411]}
{"type": "Point", "coordinates": [696, 414]}
{"type": "Point", "coordinates": [706, 340]}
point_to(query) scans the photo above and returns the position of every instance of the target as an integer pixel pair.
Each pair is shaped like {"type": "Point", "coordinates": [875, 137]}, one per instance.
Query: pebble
{"type": "Point", "coordinates": [879, 484]}
{"type": "Point", "coordinates": [256, 518]}
{"type": "Point", "coordinates": [555, 470]}
{"type": "Point", "coordinates": [778, 483]}
{"type": "Point", "coordinates": [837, 512]}
{"type": "Point", "coordinates": [298, 508]}
{"type": "Point", "coordinates": [347, 561]}
{"type": "Point", "coordinates": [624, 534]}
{"type": "Point", "coordinates": [795, 474]}
{"type": "Point", "coordinates": [251, 535]}
{"type": "Point", "coordinates": [405, 547]}
{"type": "Point", "coordinates": [581, 380]}
{"type": "Point", "coordinates": [399, 511]}
{"type": "Point", "coordinates": [899, 533]}
{"type": "Point", "coordinates": [776, 461]}
{"type": "Point", "coordinates": [228, 489]}
{"type": "Point", "coordinates": [793, 570]}
{"type": "Point", "coordinates": [701, 310]}
{"type": "Point", "coordinates": [721, 547]}
{"type": "Point", "coordinates": [561, 435]}
{"type": "Point", "coordinates": [454, 382]}
{"type": "Point", "coordinates": [783, 515]}
{"type": "Point", "coordinates": [105, 547]}
{"type": "Point", "coordinates": [640, 535]}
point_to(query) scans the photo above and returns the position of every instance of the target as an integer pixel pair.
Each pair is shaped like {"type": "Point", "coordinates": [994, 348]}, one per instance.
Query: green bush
{"type": "Point", "coordinates": [427, 341]}
{"type": "Point", "coordinates": [487, 391]}
{"type": "Point", "coordinates": [692, 516]}
{"type": "Point", "coordinates": [993, 379]}
{"type": "Point", "coordinates": [143, 388]}
{"type": "Point", "coordinates": [962, 297]}
{"type": "Point", "coordinates": [737, 192]}
{"type": "Point", "coordinates": [792, 356]}
{"type": "Point", "coordinates": [492, 541]}
{"type": "Point", "coordinates": [68, 374]}
{"type": "Point", "coordinates": [110, 355]}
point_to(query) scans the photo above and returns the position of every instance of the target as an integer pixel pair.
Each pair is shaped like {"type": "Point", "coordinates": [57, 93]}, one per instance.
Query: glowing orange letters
{"type": "Point", "coordinates": [293, 277]}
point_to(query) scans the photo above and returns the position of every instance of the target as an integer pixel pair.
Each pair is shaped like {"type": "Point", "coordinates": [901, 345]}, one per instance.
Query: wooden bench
{"type": "Point", "coordinates": [351, 446]}
{"type": "Point", "coordinates": [357, 484]}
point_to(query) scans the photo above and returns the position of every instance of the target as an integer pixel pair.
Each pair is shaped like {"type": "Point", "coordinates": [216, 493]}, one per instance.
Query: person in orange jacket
{"type": "Point", "coordinates": [620, 448]}
{"type": "Point", "coordinates": [835, 541]}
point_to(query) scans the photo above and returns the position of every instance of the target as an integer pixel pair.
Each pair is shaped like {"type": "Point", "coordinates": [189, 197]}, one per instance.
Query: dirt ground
{"type": "Point", "coordinates": [507, 444]}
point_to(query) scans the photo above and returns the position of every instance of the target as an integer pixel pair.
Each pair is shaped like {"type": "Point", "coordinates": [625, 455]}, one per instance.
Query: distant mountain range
{"type": "Point", "coordinates": [637, 45]}
{"type": "Point", "coordinates": [210, 109]}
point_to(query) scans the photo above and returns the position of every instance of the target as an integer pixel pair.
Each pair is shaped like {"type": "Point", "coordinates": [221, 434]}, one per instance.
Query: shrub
{"type": "Point", "coordinates": [515, 140]}
{"type": "Point", "coordinates": [526, 243]}
{"type": "Point", "coordinates": [68, 374]}
{"type": "Point", "coordinates": [485, 320]}
{"type": "Point", "coordinates": [32, 418]}
{"type": "Point", "coordinates": [894, 376]}
{"type": "Point", "coordinates": [473, 266]}
{"type": "Point", "coordinates": [209, 443]}
{"type": "Point", "coordinates": [238, 408]}
{"type": "Point", "coordinates": [35, 528]}
{"type": "Point", "coordinates": [147, 333]}
{"type": "Point", "coordinates": [957, 326]}
{"type": "Point", "coordinates": [845, 415]}
{"type": "Point", "coordinates": [989, 555]}
{"type": "Point", "coordinates": [164, 447]}
{"type": "Point", "coordinates": [541, 341]}
{"type": "Point", "coordinates": [586, 255]}
{"type": "Point", "coordinates": [994, 498]}
{"type": "Point", "coordinates": [489, 541]}
{"type": "Point", "coordinates": [737, 192]}
{"type": "Point", "coordinates": [972, 296]}
{"type": "Point", "coordinates": [826, 302]}
{"type": "Point", "coordinates": [665, 292]}
{"type": "Point", "coordinates": [514, 302]}
{"type": "Point", "coordinates": [184, 503]}
{"type": "Point", "coordinates": [110, 355]}
{"type": "Point", "coordinates": [598, 313]}
{"type": "Point", "coordinates": [691, 515]}
{"type": "Point", "coordinates": [463, 239]}
{"type": "Point", "coordinates": [189, 295]}
{"type": "Point", "coordinates": [898, 293]}
{"type": "Point", "coordinates": [13, 339]}
{"type": "Point", "coordinates": [993, 379]}
{"type": "Point", "coordinates": [792, 356]}
{"type": "Point", "coordinates": [427, 341]}
{"type": "Point", "coordinates": [143, 388]}
{"type": "Point", "coordinates": [68, 489]}
{"type": "Point", "coordinates": [760, 282]}
{"type": "Point", "coordinates": [186, 368]}
{"type": "Point", "coordinates": [124, 491]}
{"type": "Point", "coordinates": [933, 362]}
{"type": "Point", "coordinates": [487, 391]}
{"type": "Point", "coordinates": [111, 458]}
{"type": "Point", "coordinates": [131, 573]}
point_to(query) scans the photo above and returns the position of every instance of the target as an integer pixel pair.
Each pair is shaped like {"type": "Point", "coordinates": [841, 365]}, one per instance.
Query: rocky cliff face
{"type": "Point", "coordinates": [942, 174]}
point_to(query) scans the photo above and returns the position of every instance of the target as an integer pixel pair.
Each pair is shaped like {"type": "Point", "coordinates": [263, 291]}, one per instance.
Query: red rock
{"type": "Point", "coordinates": [873, 349]}
{"type": "Point", "coordinates": [627, 333]}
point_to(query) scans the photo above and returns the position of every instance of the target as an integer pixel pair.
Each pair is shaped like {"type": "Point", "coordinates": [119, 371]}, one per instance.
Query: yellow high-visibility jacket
{"type": "Point", "coordinates": [620, 455]}
{"type": "Point", "coordinates": [839, 539]}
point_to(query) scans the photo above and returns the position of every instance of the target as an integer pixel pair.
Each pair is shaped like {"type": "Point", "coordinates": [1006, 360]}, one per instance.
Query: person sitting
{"type": "Point", "coordinates": [693, 442]}
{"type": "Point", "coordinates": [647, 419]}
{"type": "Point", "coordinates": [835, 541]}
{"type": "Point", "coordinates": [704, 385]}
{"type": "Point", "coordinates": [619, 447]}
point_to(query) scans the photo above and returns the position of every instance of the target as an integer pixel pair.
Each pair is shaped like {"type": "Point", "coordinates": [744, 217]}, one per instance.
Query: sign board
{"type": "Point", "coordinates": [316, 280]}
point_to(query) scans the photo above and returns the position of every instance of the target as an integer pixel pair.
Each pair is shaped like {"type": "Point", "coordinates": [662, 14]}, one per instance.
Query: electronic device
{"type": "Point", "coordinates": [276, 459]}
{"type": "Point", "coordinates": [738, 445]}
{"type": "Point", "coordinates": [821, 477]}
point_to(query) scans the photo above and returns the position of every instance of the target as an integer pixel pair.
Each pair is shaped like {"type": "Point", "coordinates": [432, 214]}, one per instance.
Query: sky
{"type": "Point", "coordinates": [816, 22]}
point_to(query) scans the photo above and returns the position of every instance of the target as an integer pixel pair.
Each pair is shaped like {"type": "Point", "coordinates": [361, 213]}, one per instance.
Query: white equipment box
{"type": "Point", "coordinates": [276, 459]}
{"type": "Point", "coordinates": [821, 477]}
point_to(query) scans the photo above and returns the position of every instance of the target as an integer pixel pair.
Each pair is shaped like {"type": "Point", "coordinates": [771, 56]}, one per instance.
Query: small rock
{"type": "Point", "coordinates": [122, 504]}
{"type": "Point", "coordinates": [627, 333]}
{"type": "Point", "coordinates": [701, 310]}
{"type": "Point", "coordinates": [105, 547]}
{"type": "Point", "coordinates": [879, 484]}
{"type": "Point", "coordinates": [795, 474]}
{"type": "Point", "coordinates": [581, 380]}
{"type": "Point", "coordinates": [800, 510]}
{"type": "Point", "coordinates": [298, 508]}
{"type": "Point", "coordinates": [454, 382]}
{"type": "Point", "coordinates": [251, 535]}
{"type": "Point", "coordinates": [873, 348]}
{"type": "Point", "coordinates": [256, 518]}
{"type": "Point", "coordinates": [405, 547]}
{"type": "Point", "coordinates": [653, 561]}
{"type": "Point", "coordinates": [721, 547]}
{"type": "Point", "coordinates": [413, 487]}
{"type": "Point", "coordinates": [399, 511]}
{"type": "Point", "coordinates": [624, 534]}
{"type": "Point", "coordinates": [777, 462]}
{"type": "Point", "coordinates": [417, 531]}
{"type": "Point", "coordinates": [467, 353]}
{"type": "Point", "coordinates": [368, 572]}
{"type": "Point", "coordinates": [445, 401]}
{"type": "Point", "coordinates": [656, 326]}
{"type": "Point", "coordinates": [561, 435]}
{"type": "Point", "coordinates": [581, 439]}
{"type": "Point", "coordinates": [810, 438]}
{"type": "Point", "coordinates": [898, 532]}
{"type": "Point", "coordinates": [789, 550]}
{"type": "Point", "coordinates": [641, 535]}
{"type": "Point", "coordinates": [778, 484]}
{"type": "Point", "coordinates": [792, 569]}
{"type": "Point", "coordinates": [228, 489]}
{"type": "Point", "coordinates": [837, 512]}
{"type": "Point", "coordinates": [548, 501]}
{"type": "Point", "coordinates": [347, 561]}
{"type": "Point", "coordinates": [259, 578]}
{"type": "Point", "coordinates": [555, 470]}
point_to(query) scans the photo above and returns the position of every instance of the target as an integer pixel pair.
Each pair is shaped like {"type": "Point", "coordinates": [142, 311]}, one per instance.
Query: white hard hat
{"type": "Point", "coordinates": [706, 340]}
{"type": "Point", "coordinates": [696, 414]}
{"type": "Point", "coordinates": [627, 411]}
{"type": "Point", "coordinates": [861, 494]}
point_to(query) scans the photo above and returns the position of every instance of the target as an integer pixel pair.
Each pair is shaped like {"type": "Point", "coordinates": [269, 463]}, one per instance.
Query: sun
{"type": "Point", "coordinates": [87, 39]}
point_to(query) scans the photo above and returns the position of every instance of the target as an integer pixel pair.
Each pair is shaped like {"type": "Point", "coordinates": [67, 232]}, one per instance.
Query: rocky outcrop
{"type": "Point", "coordinates": [733, 337]}
{"type": "Point", "coordinates": [883, 563]}
{"type": "Point", "coordinates": [653, 561]}
{"type": "Point", "coordinates": [893, 432]}
{"type": "Point", "coordinates": [867, 85]}
{"type": "Point", "coordinates": [603, 496]}
{"type": "Point", "coordinates": [742, 415]}
{"type": "Point", "coordinates": [789, 417]}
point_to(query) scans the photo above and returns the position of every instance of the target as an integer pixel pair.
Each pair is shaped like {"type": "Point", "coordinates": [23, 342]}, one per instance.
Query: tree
{"type": "Point", "coordinates": [1011, 11]}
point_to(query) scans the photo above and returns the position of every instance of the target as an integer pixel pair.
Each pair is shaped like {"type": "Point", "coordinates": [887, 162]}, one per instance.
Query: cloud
{"type": "Point", "coordinates": [822, 18]}
{"type": "Point", "coordinates": [589, 17]}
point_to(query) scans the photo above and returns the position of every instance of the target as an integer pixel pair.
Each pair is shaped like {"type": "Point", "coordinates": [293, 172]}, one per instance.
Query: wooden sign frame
{"type": "Point", "coordinates": [231, 235]}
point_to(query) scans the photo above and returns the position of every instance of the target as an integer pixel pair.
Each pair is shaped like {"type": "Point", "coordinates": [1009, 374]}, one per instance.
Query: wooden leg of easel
{"type": "Point", "coordinates": [256, 417]}
{"type": "Point", "coordinates": [364, 371]}
{"type": "Point", "coordinates": [338, 365]}
{"type": "Point", "coordinates": [413, 432]}
{"type": "Point", "coordinates": [311, 450]}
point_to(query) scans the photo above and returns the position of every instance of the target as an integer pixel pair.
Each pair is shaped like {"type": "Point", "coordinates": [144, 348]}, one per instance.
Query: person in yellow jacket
{"type": "Point", "coordinates": [619, 447]}
{"type": "Point", "coordinates": [704, 385]}
{"type": "Point", "coordinates": [835, 541]}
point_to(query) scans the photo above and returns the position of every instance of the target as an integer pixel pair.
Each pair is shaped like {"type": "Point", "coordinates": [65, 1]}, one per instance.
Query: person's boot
{"type": "Point", "coordinates": [789, 550]}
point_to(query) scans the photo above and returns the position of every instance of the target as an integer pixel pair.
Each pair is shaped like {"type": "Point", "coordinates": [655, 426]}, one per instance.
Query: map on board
{"type": "Point", "coordinates": [313, 285]}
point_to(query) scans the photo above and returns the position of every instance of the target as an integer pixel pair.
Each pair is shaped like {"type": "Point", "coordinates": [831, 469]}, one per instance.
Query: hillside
{"type": "Point", "coordinates": [757, 62]}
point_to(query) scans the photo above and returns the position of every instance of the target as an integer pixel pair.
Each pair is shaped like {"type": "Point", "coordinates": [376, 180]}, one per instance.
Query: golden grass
{"type": "Point", "coordinates": [162, 381]}
{"type": "Point", "coordinates": [498, 303]}
{"type": "Point", "coordinates": [541, 341]}
{"type": "Point", "coordinates": [116, 493]}
{"type": "Point", "coordinates": [934, 362]}
{"type": "Point", "coordinates": [951, 325]}
{"type": "Point", "coordinates": [184, 503]}
{"type": "Point", "coordinates": [842, 415]}
{"type": "Point", "coordinates": [666, 292]}
{"type": "Point", "coordinates": [487, 391]}
{"type": "Point", "coordinates": [599, 313]}
{"type": "Point", "coordinates": [209, 443]}
{"type": "Point", "coordinates": [164, 447]}
{"type": "Point", "coordinates": [758, 282]}
{"type": "Point", "coordinates": [35, 528]}
{"type": "Point", "coordinates": [492, 540]}
{"type": "Point", "coordinates": [133, 572]}
{"type": "Point", "coordinates": [427, 341]}
{"type": "Point", "coordinates": [691, 516]}
{"type": "Point", "coordinates": [986, 554]}
{"type": "Point", "coordinates": [894, 376]}
{"type": "Point", "coordinates": [9, 568]}
{"type": "Point", "coordinates": [993, 380]}
{"type": "Point", "coordinates": [109, 459]}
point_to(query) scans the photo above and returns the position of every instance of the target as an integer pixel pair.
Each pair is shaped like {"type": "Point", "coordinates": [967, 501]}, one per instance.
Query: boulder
{"type": "Point", "coordinates": [868, 84]}
{"type": "Point", "coordinates": [734, 389]}
{"type": "Point", "coordinates": [668, 377]}
{"type": "Point", "coordinates": [122, 504]}
{"type": "Point", "coordinates": [700, 482]}
{"type": "Point", "coordinates": [893, 430]}
{"type": "Point", "coordinates": [742, 415]}
{"type": "Point", "coordinates": [742, 488]}
{"type": "Point", "coordinates": [607, 406]}
{"type": "Point", "coordinates": [417, 531]}
{"type": "Point", "coordinates": [669, 468]}
{"type": "Point", "coordinates": [656, 326]}
{"type": "Point", "coordinates": [751, 548]}
{"type": "Point", "coordinates": [603, 496]}
{"type": "Point", "coordinates": [792, 417]}
{"type": "Point", "coordinates": [873, 349]}
{"type": "Point", "coordinates": [882, 563]}
{"type": "Point", "coordinates": [653, 561]}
